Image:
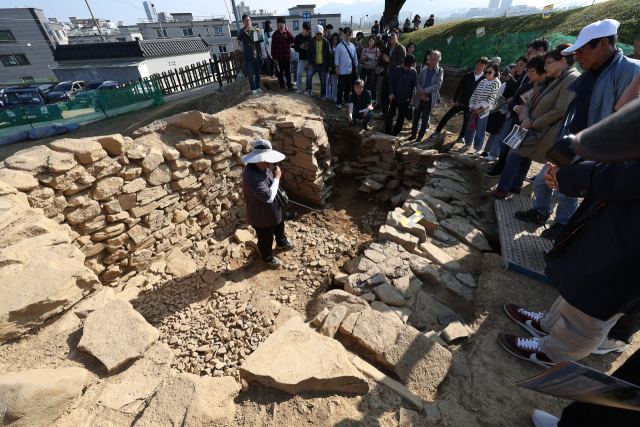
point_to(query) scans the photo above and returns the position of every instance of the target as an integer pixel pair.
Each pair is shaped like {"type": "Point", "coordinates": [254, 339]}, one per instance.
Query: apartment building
{"type": "Point", "coordinates": [214, 30]}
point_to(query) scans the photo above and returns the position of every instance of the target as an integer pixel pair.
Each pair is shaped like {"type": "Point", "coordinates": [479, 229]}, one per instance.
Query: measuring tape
{"type": "Point", "coordinates": [410, 222]}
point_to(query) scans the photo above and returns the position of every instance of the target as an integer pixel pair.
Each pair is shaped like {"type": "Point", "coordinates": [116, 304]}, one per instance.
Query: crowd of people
{"type": "Point", "coordinates": [592, 261]}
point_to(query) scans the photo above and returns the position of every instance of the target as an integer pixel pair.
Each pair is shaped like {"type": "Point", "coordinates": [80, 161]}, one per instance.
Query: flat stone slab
{"type": "Point", "coordinates": [333, 320]}
{"type": "Point", "coordinates": [116, 333]}
{"type": "Point", "coordinates": [440, 257]}
{"type": "Point", "coordinates": [397, 219]}
{"type": "Point", "coordinates": [295, 359]}
{"type": "Point", "coordinates": [420, 363]}
{"type": "Point", "coordinates": [454, 285]}
{"type": "Point", "coordinates": [389, 295]}
{"type": "Point", "coordinates": [35, 398]}
{"type": "Point", "coordinates": [454, 331]}
{"type": "Point", "coordinates": [339, 297]}
{"type": "Point", "coordinates": [462, 229]}
{"type": "Point", "coordinates": [192, 401]}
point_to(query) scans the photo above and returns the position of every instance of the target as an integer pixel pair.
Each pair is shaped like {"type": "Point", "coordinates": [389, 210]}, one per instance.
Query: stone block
{"type": "Point", "coordinates": [192, 120]}
{"type": "Point", "coordinates": [439, 256]}
{"type": "Point", "coordinates": [115, 144]}
{"type": "Point", "coordinates": [107, 188]}
{"type": "Point", "coordinates": [333, 320]}
{"type": "Point", "coordinates": [86, 150]}
{"type": "Point", "coordinates": [462, 229]}
{"type": "Point", "coordinates": [405, 239]}
{"type": "Point", "coordinates": [191, 149]}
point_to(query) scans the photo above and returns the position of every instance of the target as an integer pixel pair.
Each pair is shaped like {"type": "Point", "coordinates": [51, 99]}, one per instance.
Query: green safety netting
{"type": "Point", "coordinates": [86, 106]}
{"type": "Point", "coordinates": [451, 49]}
{"type": "Point", "coordinates": [477, 47]}
{"type": "Point", "coordinates": [464, 51]}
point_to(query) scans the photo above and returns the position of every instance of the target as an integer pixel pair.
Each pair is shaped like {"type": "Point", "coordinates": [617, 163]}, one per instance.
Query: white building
{"type": "Point", "coordinates": [127, 60]}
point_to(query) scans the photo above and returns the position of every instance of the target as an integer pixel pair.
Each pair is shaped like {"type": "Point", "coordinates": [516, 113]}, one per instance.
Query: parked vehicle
{"type": "Point", "coordinates": [29, 102]}
{"type": "Point", "coordinates": [65, 91]}
{"type": "Point", "coordinates": [84, 98]}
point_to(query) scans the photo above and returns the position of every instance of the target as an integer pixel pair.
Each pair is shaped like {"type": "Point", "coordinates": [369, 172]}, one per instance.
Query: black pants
{"type": "Point", "coordinates": [344, 87]}
{"type": "Point", "coordinates": [402, 111]}
{"type": "Point", "coordinates": [272, 66]}
{"type": "Point", "coordinates": [452, 112]}
{"type": "Point", "coordinates": [624, 329]}
{"type": "Point", "coordinates": [384, 95]}
{"type": "Point", "coordinates": [284, 66]}
{"type": "Point", "coordinates": [580, 414]}
{"type": "Point", "coordinates": [366, 74]}
{"type": "Point", "coordinates": [265, 239]}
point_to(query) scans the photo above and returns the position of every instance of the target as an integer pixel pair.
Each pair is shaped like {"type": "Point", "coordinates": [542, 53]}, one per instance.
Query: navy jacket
{"type": "Point", "coordinates": [326, 53]}
{"type": "Point", "coordinates": [246, 46]}
{"type": "Point", "coordinates": [402, 85]}
{"type": "Point", "coordinates": [598, 273]}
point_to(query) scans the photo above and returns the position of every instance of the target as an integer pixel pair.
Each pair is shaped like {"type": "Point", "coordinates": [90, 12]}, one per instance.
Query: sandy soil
{"type": "Point", "coordinates": [482, 377]}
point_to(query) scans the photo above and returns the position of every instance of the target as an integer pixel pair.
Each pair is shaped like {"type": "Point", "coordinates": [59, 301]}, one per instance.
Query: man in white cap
{"type": "Point", "coordinates": [319, 57]}
{"type": "Point", "coordinates": [263, 201]}
{"type": "Point", "coordinates": [588, 325]}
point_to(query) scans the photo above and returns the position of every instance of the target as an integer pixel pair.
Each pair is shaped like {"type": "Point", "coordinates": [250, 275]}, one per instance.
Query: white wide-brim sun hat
{"type": "Point", "coordinates": [263, 152]}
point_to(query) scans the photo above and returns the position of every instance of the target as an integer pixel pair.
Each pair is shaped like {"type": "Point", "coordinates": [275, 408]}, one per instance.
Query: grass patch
{"type": "Point", "coordinates": [569, 23]}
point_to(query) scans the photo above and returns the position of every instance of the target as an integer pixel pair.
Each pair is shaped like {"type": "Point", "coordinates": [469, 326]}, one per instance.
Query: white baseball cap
{"type": "Point", "coordinates": [597, 30]}
{"type": "Point", "coordinates": [319, 29]}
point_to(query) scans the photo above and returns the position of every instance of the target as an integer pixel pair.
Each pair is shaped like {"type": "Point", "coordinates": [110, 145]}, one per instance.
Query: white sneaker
{"type": "Point", "coordinates": [435, 135]}
{"type": "Point", "coordinates": [477, 153]}
{"type": "Point", "coordinates": [323, 99]}
{"type": "Point", "coordinates": [542, 419]}
{"type": "Point", "coordinates": [491, 158]}
{"type": "Point", "coordinates": [308, 93]}
{"type": "Point", "coordinates": [338, 105]}
{"type": "Point", "coordinates": [609, 345]}
{"type": "Point", "coordinates": [254, 92]}
{"type": "Point", "coordinates": [259, 90]}
{"type": "Point", "coordinates": [464, 148]}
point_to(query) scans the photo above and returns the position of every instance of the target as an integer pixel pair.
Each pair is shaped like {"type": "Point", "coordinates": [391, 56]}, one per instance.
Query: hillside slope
{"type": "Point", "coordinates": [569, 23]}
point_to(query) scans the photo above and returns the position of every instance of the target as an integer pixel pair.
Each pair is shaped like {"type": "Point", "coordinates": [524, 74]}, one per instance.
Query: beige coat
{"type": "Point", "coordinates": [551, 106]}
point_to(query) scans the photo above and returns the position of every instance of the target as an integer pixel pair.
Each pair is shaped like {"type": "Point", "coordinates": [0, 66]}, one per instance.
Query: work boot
{"type": "Point", "coordinates": [287, 245]}
{"type": "Point", "coordinates": [273, 262]}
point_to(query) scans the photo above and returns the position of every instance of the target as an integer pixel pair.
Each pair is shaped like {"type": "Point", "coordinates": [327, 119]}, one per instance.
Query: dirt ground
{"type": "Point", "coordinates": [483, 374]}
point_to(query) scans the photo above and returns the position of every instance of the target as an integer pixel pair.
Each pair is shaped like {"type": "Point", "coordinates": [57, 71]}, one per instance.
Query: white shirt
{"type": "Point", "coordinates": [344, 54]}
{"type": "Point", "coordinates": [477, 77]}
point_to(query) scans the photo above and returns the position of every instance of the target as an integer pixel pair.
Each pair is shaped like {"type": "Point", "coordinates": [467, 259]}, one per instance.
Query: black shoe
{"type": "Point", "coordinates": [381, 117]}
{"type": "Point", "coordinates": [411, 138]}
{"type": "Point", "coordinates": [532, 215]}
{"type": "Point", "coordinates": [273, 262]}
{"type": "Point", "coordinates": [351, 123]}
{"type": "Point", "coordinates": [493, 175]}
{"type": "Point", "coordinates": [489, 168]}
{"type": "Point", "coordinates": [530, 178]}
{"type": "Point", "coordinates": [288, 245]}
{"type": "Point", "coordinates": [553, 232]}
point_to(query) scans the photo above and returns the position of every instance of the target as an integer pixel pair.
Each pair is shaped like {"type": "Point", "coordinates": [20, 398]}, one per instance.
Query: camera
{"type": "Point", "coordinates": [382, 41]}
{"type": "Point", "coordinates": [561, 153]}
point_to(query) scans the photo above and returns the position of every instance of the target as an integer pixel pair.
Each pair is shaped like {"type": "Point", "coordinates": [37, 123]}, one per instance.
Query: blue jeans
{"type": "Point", "coordinates": [253, 71]}
{"type": "Point", "coordinates": [303, 66]}
{"type": "Point", "coordinates": [514, 172]}
{"type": "Point", "coordinates": [424, 110]}
{"type": "Point", "coordinates": [477, 135]}
{"type": "Point", "coordinates": [493, 145]}
{"type": "Point", "coordinates": [323, 79]}
{"type": "Point", "coordinates": [361, 116]}
{"type": "Point", "coordinates": [542, 203]}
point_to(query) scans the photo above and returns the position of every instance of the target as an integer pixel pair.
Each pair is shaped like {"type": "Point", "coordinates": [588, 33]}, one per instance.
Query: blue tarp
{"type": "Point", "coordinates": [38, 133]}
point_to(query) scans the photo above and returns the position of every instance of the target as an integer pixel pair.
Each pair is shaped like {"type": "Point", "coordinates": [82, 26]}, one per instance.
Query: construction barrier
{"type": "Point", "coordinates": [86, 106]}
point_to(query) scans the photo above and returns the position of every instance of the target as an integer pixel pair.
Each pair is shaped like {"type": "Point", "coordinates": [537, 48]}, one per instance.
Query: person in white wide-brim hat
{"type": "Point", "coordinates": [264, 208]}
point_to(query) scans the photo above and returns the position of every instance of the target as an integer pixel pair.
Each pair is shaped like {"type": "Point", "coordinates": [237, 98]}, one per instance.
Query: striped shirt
{"type": "Point", "coordinates": [484, 96]}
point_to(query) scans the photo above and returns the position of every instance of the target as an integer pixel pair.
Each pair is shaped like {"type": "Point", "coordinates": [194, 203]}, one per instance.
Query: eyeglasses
{"type": "Point", "coordinates": [531, 71]}
{"type": "Point", "coordinates": [550, 62]}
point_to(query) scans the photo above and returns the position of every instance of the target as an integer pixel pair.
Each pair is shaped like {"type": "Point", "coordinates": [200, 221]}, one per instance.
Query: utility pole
{"type": "Point", "coordinates": [235, 14]}
{"type": "Point", "coordinates": [95, 22]}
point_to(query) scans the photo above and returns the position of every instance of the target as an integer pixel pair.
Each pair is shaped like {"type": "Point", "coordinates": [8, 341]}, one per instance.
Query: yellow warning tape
{"type": "Point", "coordinates": [409, 222]}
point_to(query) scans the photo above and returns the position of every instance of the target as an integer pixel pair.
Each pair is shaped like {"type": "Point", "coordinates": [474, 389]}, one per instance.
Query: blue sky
{"type": "Point", "coordinates": [122, 10]}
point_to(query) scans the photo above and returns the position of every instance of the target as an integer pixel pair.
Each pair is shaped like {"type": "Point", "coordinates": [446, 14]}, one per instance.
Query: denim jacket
{"type": "Point", "coordinates": [606, 93]}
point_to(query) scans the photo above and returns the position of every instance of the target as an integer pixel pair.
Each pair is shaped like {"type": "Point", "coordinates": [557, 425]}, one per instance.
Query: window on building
{"type": "Point", "coordinates": [322, 22]}
{"type": "Point", "coordinates": [11, 60]}
{"type": "Point", "coordinates": [295, 25]}
{"type": "Point", "coordinates": [218, 31]}
{"type": "Point", "coordinates": [206, 31]}
{"type": "Point", "coordinates": [162, 34]}
{"type": "Point", "coordinates": [306, 16]}
{"type": "Point", "coordinates": [28, 80]}
{"type": "Point", "coordinates": [121, 39]}
{"type": "Point", "coordinates": [222, 48]}
{"type": "Point", "coordinates": [187, 32]}
{"type": "Point", "coordinates": [6, 36]}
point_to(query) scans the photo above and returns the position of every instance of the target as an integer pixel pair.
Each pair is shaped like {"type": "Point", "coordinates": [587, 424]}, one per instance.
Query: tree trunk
{"type": "Point", "coordinates": [392, 7]}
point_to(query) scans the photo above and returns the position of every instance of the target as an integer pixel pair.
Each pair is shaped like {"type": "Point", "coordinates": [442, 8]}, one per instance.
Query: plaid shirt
{"type": "Point", "coordinates": [281, 45]}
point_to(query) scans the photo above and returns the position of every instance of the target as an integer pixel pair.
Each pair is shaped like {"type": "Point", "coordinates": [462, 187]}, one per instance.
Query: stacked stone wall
{"type": "Point", "coordinates": [129, 202]}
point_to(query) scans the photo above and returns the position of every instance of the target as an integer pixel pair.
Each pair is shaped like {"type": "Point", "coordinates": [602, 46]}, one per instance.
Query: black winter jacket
{"type": "Point", "coordinates": [465, 88]}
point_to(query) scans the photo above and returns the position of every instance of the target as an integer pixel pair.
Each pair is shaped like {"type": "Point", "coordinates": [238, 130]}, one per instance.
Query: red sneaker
{"type": "Point", "coordinates": [499, 194]}
{"type": "Point", "coordinates": [527, 319]}
{"type": "Point", "coordinates": [525, 348]}
{"type": "Point", "coordinates": [515, 190]}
